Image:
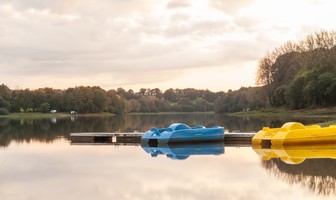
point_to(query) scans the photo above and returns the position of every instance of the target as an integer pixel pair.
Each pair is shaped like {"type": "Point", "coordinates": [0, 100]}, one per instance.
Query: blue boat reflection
{"type": "Point", "coordinates": [184, 151]}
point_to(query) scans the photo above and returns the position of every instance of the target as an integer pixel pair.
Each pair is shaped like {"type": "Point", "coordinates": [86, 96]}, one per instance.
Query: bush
{"type": "Point", "coordinates": [4, 111]}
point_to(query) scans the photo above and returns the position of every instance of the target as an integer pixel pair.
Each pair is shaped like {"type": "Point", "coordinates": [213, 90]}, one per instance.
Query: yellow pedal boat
{"type": "Point", "coordinates": [294, 133]}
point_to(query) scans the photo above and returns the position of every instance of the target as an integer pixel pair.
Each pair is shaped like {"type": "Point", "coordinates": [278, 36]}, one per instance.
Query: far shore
{"type": "Point", "coordinates": [328, 113]}
{"type": "Point", "coordinates": [102, 114]}
{"type": "Point", "coordinates": [52, 115]}
{"type": "Point", "coordinates": [320, 112]}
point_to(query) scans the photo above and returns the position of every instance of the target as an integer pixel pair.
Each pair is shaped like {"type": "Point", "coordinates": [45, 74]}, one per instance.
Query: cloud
{"type": "Point", "coordinates": [84, 7]}
{"type": "Point", "coordinates": [63, 47]}
{"type": "Point", "coordinates": [218, 177]}
{"type": "Point", "coordinates": [230, 6]}
{"type": "Point", "coordinates": [111, 42]}
{"type": "Point", "coordinates": [178, 4]}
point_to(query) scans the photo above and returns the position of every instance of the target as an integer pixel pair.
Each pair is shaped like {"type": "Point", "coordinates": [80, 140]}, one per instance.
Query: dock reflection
{"type": "Point", "coordinates": [184, 151]}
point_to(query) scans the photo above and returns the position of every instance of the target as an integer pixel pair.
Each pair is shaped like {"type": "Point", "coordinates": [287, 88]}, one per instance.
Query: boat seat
{"type": "Point", "coordinates": [155, 131]}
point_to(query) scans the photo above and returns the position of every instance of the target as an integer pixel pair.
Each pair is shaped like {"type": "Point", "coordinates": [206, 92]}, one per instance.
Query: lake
{"type": "Point", "coordinates": [38, 161]}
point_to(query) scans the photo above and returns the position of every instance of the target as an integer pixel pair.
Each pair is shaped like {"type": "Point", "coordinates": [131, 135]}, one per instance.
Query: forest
{"type": "Point", "coordinates": [303, 74]}
{"type": "Point", "coordinates": [86, 99]}
{"type": "Point", "coordinates": [296, 75]}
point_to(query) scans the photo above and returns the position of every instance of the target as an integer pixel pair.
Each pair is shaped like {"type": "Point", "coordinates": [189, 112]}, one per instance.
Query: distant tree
{"type": "Point", "coordinates": [170, 95]}
{"type": "Point", "coordinates": [134, 105]}
{"type": "Point", "coordinates": [185, 101]}
{"type": "Point", "coordinates": [190, 93]}
{"type": "Point", "coordinates": [201, 105]}
{"type": "Point", "coordinates": [117, 104]}
{"type": "Point", "coordinates": [142, 92]}
{"type": "Point", "coordinates": [163, 105]}
{"type": "Point", "coordinates": [157, 93]}
{"type": "Point", "coordinates": [148, 104]}
{"type": "Point", "coordinates": [186, 105]}
{"type": "Point", "coordinates": [21, 100]}
{"type": "Point", "coordinates": [210, 96]}
{"type": "Point", "coordinates": [99, 99]}
{"type": "Point", "coordinates": [45, 107]}
{"type": "Point", "coordinates": [70, 100]}
{"type": "Point", "coordinates": [5, 104]}
{"type": "Point", "coordinates": [5, 92]}
{"type": "Point", "coordinates": [121, 92]}
{"type": "Point", "coordinates": [130, 95]}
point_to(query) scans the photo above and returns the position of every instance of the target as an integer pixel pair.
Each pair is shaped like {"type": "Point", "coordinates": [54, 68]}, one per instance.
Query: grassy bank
{"type": "Point", "coordinates": [172, 113]}
{"type": "Point", "coordinates": [328, 113]}
{"type": "Point", "coordinates": [50, 115]}
{"type": "Point", "coordinates": [320, 112]}
{"type": "Point", "coordinates": [60, 115]}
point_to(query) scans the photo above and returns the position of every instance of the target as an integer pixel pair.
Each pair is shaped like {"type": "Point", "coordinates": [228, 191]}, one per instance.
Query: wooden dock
{"type": "Point", "coordinates": [135, 138]}
{"type": "Point", "coordinates": [96, 137]}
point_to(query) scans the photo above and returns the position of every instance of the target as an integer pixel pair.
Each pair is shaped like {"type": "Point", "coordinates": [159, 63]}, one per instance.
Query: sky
{"type": "Point", "coordinates": [133, 44]}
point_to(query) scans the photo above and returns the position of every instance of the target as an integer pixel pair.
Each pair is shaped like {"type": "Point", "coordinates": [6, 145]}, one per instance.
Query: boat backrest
{"type": "Point", "coordinates": [178, 126]}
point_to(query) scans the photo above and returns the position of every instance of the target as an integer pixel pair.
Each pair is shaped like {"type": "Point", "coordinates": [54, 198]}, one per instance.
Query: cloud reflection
{"type": "Point", "coordinates": [62, 171]}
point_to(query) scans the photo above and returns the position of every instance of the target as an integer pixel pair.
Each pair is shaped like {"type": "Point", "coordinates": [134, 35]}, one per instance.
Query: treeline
{"type": "Point", "coordinates": [303, 74]}
{"type": "Point", "coordinates": [244, 99]}
{"type": "Point", "coordinates": [95, 99]}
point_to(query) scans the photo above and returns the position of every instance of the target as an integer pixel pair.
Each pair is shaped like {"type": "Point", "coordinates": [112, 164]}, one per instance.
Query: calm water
{"type": "Point", "coordinates": [37, 161]}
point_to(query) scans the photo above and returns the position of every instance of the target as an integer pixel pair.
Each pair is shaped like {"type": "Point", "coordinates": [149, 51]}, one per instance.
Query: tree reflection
{"type": "Point", "coordinates": [318, 175]}
{"type": "Point", "coordinates": [47, 130]}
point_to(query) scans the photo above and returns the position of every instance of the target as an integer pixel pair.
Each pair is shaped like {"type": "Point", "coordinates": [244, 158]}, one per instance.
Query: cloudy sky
{"type": "Point", "coordinates": [204, 44]}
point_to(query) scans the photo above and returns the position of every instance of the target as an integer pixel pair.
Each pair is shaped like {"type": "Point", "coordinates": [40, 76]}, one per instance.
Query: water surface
{"type": "Point", "coordinates": [37, 161]}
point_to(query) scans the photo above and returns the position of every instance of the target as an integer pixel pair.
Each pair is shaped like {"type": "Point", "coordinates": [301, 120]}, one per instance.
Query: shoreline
{"type": "Point", "coordinates": [104, 114]}
{"type": "Point", "coordinates": [53, 115]}
{"type": "Point", "coordinates": [320, 112]}
{"type": "Point", "coordinates": [327, 113]}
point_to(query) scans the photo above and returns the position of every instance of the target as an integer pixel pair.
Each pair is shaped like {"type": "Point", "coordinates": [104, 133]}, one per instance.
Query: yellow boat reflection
{"type": "Point", "coordinates": [298, 153]}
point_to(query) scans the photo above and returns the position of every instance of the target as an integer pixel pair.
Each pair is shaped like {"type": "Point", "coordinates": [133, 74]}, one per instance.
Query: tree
{"type": "Point", "coordinates": [170, 95]}
{"type": "Point", "coordinates": [142, 92]}
{"type": "Point", "coordinates": [134, 105]}
{"type": "Point", "coordinates": [117, 104]}
{"type": "Point", "coordinates": [148, 104]}
{"type": "Point", "coordinates": [99, 99]}
{"type": "Point", "coordinates": [265, 72]}
{"type": "Point", "coordinates": [5, 104]}
{"type": "Point", "coordinates": [323, 82]}
{"type": "Point", "coordinates": [21, 100]}
{"type": "Point", "coordinates": [295, 92]}
{"type": "Point", "coordinates": [45, 107]}
{"type": "Point", "coordinates": [5, 92]}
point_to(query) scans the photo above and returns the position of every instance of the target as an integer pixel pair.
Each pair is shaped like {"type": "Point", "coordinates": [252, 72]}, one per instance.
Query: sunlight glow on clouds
{"type": "Point", "coordinates": [134, 44]}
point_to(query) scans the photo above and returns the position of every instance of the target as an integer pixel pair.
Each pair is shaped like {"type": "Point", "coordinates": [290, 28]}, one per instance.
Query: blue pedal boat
{"type": "Point", "coordinates": [182, 133]}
